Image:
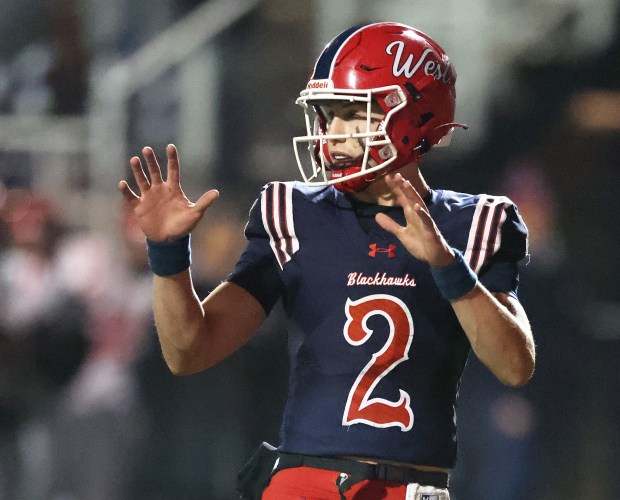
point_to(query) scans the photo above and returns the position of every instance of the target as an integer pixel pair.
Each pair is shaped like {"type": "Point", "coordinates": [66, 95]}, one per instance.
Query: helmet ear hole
{"type": "Point", "coordinates": [415, 93]}
{"type": "Point", "coordinates": [425, 118]}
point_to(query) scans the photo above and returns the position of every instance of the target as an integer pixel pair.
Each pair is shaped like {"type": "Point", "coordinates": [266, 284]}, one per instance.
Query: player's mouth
{"type": "Point", "coordinates": [341, 161]}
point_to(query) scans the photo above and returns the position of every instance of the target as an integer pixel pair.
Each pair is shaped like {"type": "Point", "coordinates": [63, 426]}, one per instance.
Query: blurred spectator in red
{"type": "Point", "coordinates": [42, 330]}
{"type": "Point", "coordinates": [99, 424]}
{"type": "Point", "coordinates": [4, 228]}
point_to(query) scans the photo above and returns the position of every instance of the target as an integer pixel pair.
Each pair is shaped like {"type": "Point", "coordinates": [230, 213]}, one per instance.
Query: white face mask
{"type": "Point", "coordinates": [368, 148]}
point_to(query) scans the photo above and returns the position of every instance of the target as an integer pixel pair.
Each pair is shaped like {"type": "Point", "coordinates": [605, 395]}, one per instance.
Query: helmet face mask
{"type": "Point", "coordinates": [387, 67]}
{"type": "Point", "coordinates": [377, 150]}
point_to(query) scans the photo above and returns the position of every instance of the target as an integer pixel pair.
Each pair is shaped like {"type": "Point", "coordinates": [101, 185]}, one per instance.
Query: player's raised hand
{"type": "Point", "coordinates": [420, 236]}
{"type": "Point", "coordinates": [161, 207]}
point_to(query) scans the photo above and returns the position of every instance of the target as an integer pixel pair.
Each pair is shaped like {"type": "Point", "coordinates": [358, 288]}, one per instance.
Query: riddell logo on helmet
{"type": "Point", "coordinates": [431, 68]}
{"type": "Point", "coordinates": [319, 84]}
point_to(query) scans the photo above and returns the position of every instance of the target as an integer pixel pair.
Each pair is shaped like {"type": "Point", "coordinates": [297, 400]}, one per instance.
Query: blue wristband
{"type": "Point", "coordinates": [169, 257]}
{"type": "Point", "coordinates": [455, 280]}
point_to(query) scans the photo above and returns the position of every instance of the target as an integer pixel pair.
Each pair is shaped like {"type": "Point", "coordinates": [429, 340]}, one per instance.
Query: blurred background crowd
{"type": "Point", "coordinates": [88, 409]}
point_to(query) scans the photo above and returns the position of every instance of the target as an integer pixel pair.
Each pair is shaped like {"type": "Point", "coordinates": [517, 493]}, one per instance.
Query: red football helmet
{"type": "Point", "coordinates": [391, 65]}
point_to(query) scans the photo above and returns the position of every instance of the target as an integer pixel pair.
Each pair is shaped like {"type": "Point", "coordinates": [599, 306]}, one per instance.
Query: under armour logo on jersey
{"type": "Point", "coordinates": [374, 249]}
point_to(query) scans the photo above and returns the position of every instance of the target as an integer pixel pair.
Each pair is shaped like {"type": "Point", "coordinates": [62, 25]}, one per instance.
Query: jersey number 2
{"type": "Point", "coordinates": [361, 408]}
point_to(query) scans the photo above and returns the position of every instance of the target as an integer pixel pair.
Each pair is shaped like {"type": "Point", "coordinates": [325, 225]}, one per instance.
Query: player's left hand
{"type": "Point", "coordinates": [420, 236]}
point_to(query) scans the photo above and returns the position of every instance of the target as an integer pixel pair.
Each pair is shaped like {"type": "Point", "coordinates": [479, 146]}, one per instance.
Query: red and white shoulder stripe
{"type": "Point", "coordinates": [277, 210]}
{"type": "Point", "coordinates": [485, 232]}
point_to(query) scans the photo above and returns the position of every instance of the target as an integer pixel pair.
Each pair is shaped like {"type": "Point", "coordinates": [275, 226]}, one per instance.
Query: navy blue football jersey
{"type": "Point", "coordinates": [376, 352]}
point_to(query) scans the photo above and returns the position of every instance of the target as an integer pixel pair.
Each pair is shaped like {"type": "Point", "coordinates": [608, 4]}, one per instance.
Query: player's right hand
{"type": "Point", "coordinates": [161, 208]}
{"type": "Point", "coordinates": [420, 236]}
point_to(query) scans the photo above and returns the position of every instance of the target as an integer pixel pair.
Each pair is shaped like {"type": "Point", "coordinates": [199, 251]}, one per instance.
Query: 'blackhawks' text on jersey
{"type": "Point", "coordinates": [376, 352]}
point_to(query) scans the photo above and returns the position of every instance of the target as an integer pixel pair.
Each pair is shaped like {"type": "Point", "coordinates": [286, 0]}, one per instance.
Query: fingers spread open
{"type": "Point", "coordinates": [127, 193]}
{"type": "Point", "coordinates": [396, 188]}
{"type": "Point", "coordinates": [139, 175]}
{"type": "Point", "coordinates": [389, 224]}
{"type": "Point", "coordinates": [174, 175]}
{"type": "Point", "coordinates": [152, 165]}
{"type": "Point", "coordinates": [422, 212]}
{"type": "Point", "coordinates": [410, 192]}
{"type": "Point", "coordinates": [207, 199]}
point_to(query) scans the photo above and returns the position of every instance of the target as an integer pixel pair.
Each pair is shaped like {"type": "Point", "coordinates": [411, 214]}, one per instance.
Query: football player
{"type": "Point", "coordinates": [387, 284]}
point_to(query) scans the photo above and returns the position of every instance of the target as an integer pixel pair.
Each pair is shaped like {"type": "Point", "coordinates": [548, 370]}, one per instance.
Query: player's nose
{"type": "Point", "coordinates": [337, 126]}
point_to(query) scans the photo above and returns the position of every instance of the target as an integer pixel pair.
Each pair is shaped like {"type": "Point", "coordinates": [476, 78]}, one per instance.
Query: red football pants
{"type": "Point", "coordinates": [306, 483]}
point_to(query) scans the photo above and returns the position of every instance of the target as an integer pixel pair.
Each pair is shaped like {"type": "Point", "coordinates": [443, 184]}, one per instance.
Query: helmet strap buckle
{"type": "Point", "coordinates": [393, 99]}
{"type": "Point", "coordinates": [385, 152]}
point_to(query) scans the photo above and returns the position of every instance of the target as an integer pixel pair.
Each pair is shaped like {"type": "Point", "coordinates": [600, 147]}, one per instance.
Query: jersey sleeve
{"type": "Point", "coordinates": [498, 241]}
{"type": "Point", "coordinates": [257, 270]}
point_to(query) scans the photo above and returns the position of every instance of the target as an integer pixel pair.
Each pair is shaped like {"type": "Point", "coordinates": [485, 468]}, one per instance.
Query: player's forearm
{"type": "Point", "coordinates": [179, 319]}
{"type": "Point", "coordinates": [499, 334]}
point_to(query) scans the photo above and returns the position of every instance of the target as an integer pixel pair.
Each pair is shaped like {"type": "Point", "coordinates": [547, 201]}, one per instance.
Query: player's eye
{"type": "Point", "coordinates": [354, 115]}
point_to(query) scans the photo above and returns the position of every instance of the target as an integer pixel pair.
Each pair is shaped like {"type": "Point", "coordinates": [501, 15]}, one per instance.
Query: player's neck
{"type": "Point", "coordinates": [379, 193]}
